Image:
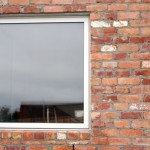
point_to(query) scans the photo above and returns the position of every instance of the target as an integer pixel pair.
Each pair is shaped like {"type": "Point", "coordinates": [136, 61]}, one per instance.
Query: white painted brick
{"type": "Point", "coordinates": [120, 23]}
{"type": "Point", "coordinates": [100, 24]}
{"type": "Point", "coordinates": [61, 135]}
{"type": "Point", "coordinates": [108, 48]}
{"type": "Point", "coordinates": [146, 64]}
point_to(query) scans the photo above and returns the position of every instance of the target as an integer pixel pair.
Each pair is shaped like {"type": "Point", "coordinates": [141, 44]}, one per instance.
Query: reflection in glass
{"type": "Point", "coordinates": [42, 72]}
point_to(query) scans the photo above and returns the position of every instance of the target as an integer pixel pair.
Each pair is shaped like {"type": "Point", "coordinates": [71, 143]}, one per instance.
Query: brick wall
{"type": "Point", "coordinates": [120, 70]}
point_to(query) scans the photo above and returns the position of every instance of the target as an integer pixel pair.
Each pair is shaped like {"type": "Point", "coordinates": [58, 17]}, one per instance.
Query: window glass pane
{"type": "Point", "coordinates": [42, 72]}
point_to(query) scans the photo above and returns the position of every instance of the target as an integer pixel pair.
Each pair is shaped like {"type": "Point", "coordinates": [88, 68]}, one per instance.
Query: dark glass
{"type": "Point", "coordinates": [42, 72]}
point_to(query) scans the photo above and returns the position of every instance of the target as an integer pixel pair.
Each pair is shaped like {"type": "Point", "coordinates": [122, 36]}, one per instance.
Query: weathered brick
{"type": "Point", "coordinates": [103, 106]}
{"type": "Point", "coordinates": [129, 64]}
{"type": "Point", "coordinates": [73, 135]}
{"type": "Point", "coordinates": [109, 115]}
{"type": "Point", "coordinates": [122, 73]}
{"type": "Point", "coordinates": [28, 135]}
{"type": "Point", "coordinates": [99, 89]}
{"type": "Point", "coordinates": [121, 106]}
{"type": "Point", "coordinates": [128, 47]}
{"type": "Point", "coordinates": [109, 81]}
{"type": "Point", "coordinates": [146, 81]}
{"type": "Point", "coordinates": [95, 81]}
{"type": "Point", "coordinates": [97, 140]}
{"type": "Point", "coordinates": [109, 31]}
{"type": "Point", "coordinates": [139, 23]}
{"type": "Point", "coordinates": [141, 124]}
{"type": "Point", "coordinates": [131, 115]}
{"type": "Point", "coordinates": [39, 135]}
{"type": "Point", "coordinates": [147, 115]}
{"type": "Point", "coordinates": [145, 31]}
{"type": "Point", "coordinates": [121, 89]}
{"type": "Point", "coordinates": [48, 9]}
{"type": "Point", "coordinates": [101, 40]}
{"type": "Point", "coordinates": [141, 141]}
{"type": "Point", "coordinates": [62, 148]}
{"type": "Point", "coordinates": [38, 148]}
{"type": "Point", "coordinates": [19, 2]}
{"type": "Point", "coordinates": [139, 7]}
{"type": "Point", "coordinates": [146, 64]}
{"type": "Point", "coordinates": [95, 115]}
{"type": "Point", "coordinates": [119, 56]}
{"type": "Point", "coordinates": [129, 81]}
{"type": "Point", "coordinates": [128, 31]}
{"type": "Point", "coordinates": [11, 10]}
{"type": "Point", "coordinates": [110, 98]}
{"type": "Point", "coordinates": [147, 98]}
{"type": "Point", "coordinates": [142, 72]}
{"type": "Point", "coordinates": [110, 132]}
{"type": "Point", "coordinates": [121, 124]}
{"type": "Point", "coordinates": [95, 16]}
{"type": "Point", "coordinates": [145, 14]}
{"type": "Point", "coordinates": [122, 39]}
{"type": "Point", "coordinates": [96, 7]}
{"type": "Point", "coordinates": [120, 23]}
{"type": "Point", "coordinates": [140, 89]}
{"type": "Point", "coordinates": [108, 48]}
{"type": "Point", "coordinates": [140, 56]}
{"type": "Point", "coordinates": [16, 135]}
{"type": "Point", "coordinates": [102, 56]}
{"type": "Point", "coordinates": [40, 2]}
{"type": "Point", "coordinates": [112, 64]}
{"type": "Point", "coordinates": [130, 132]}
{"type": "Point", "coordinates": [100, 24]}
{"type": "Point", "coordinates": [130, 98]}
{"type": "Point", "coordinates": [128, 15]}
{"type": "Point", "coordinates": [117, 7]}
{"type": "Point", "coordinates": [119, 141]}
{"type": "Point", "coordinates": [84, 135]}
{"type": "Point", "coordinates": [62, 1]}
{"type": "Point", "coordinates": [85, 148]}
{"type": "Point", "coordinates": [50, 135]}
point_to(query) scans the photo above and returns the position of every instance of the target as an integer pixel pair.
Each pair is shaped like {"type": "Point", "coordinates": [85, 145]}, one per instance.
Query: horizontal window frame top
{"type": "Point", "coordinates": [59, 19]}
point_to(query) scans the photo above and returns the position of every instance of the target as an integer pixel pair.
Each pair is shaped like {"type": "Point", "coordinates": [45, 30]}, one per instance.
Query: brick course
{"type": "Point", "coordinates": [120, 77]}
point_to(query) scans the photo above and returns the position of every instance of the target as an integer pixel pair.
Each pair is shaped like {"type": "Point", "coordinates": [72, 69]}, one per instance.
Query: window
{"type": "Point", "coordinates": [44, 72]}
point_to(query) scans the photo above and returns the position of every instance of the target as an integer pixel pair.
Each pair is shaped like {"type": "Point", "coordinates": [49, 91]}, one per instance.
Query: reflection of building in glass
{"type": "Point", "coordinates": [69, 113]}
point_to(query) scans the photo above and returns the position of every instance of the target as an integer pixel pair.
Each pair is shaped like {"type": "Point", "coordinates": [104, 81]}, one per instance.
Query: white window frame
{"type": "Point", "coordinates": [85, 125]}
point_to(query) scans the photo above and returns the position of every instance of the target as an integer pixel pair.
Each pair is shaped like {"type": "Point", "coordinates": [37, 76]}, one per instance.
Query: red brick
{"type": "Point", "coordinates": [122, 73]}
{"type": "Point", "coordinates": [119, 141]}
{"type": "Point", "coordinates": [117, 7]}
{"type": "Point", "coordinates": [130, 98]}
{"type": "Point", "coordinates": [103, 73]}
{"type": "Point", "coordinates": [141, 141]}
{"type": "Point", "coordinates": [110, 31]}
{"type": "Point", "coordinates": [49, 9]}
{"type": "Point", "coordinates": [109, 115]}
{"type": "Point", "coordinates": [140, 56]}
{"type": "Point", "coordinates": [122, 124]}
{"type": "Point", "coordinates": [110, 148]}
{"type": "Point", "coordinates": [11, 10]}
{"type": "Point", "coordinates": [129, 81]}
{"type": "Point", "coordinates": [2, 148]}
{"type": "Point", "coordinates": [128, 15]}
{"type": "Point", "coordinates": [146, 1]}
{"type": "Point", "coordinates": [95, 132]}
{"type": "Point", "coordinates": [131, 115]}
{"type": "Point", "coordinates": [31, 9]}
{"type": "Point", "coordinates": [121, 89]}
{"type": "Point", "coordinates": [128, 1]}
{"type": "Point", "coordinates": [139, 7]}
{"type": "Point", "coordinates": [40, 2]}
{"type": "Point", "coordinates": [95, 65]}
{"type": "Point", "coordinates": [84, 1]}
{"type": "Point", "coordinates": [15, 148]}
{"type": "Point", "coordinates": [146, 81]}
{"type": "Point", "coordinates": [109, 81]}
{"type": "Point", "coordinates": [128, 47]}
{"type": "Point", "coordinates": [75, 8]}
{"type": "Point", "coordinates": [73, 135]}
{"type": "Point", "coordinates": [100, 141]}
{"type": "Point", "coordinates": [95, 16]}
{"type": "Point", "coordinates": [112, 64]}
{"type": "Point", "coordinates": [95, 48]}
{"type": "Point", "coordinates": [139, 39]}
{"type": "Point", "coordinates": [95, 98]}
{"type": "Point", "coordinates": [28, 135]}
{"type": "Point", "coordinates": [140, 89]}
{"type": "Point", "coordinates": [129, 64]}
{"type": "Point", "coordinates": [5, 134]}
{"type": "Point", "coordinates": [146, 133]}
{"type": "Point", "coordinates": [101, 56]}
{"type": "Point", "coordinates": [139, 22]}
{"type": "Point", "coordinates": [119, 56]}
{"type": "Point", "coordinates": [96, 7]}
{"type": "Point", "coordinates": [147, 98]}
{"type": "Point", "coordinates": [110, 132]}
{"type": "Point", "coordinates": [145, 31]}
{"type": "Point", "coordinates": [142, 72]}
{"type": "Point", "coordinates": [84, 135]}
{"type": "Point", "coordinates": [19, 2]}
{"type": "Point", "coordinates": [105, 1]}
{"type": "Point", "coordinates": [62, 1]}
{"type": "Point", "coordinates": [146, 47]}
{"type": "Point", "coordinates": [62, 148]}
{"type": "Point", "coordinates": [141, 124]}
{"type": "Point", "coordinates": [110, 16]}
{"type": "Point", "coordinates": [121, 106]}
{"type": "Point", "coordinates": [128, 31]}
{"type": "Point", "coordinates": [40, 148]}
{"type": "Point", "coordinates": [103, 106]}
{"type": "Point", "coordinates": [145, 14]}
{"type": "Point", "coordinates": [99, 89]}
{"type": "Point", "coordinates": [130, 132]}
{"type": "Point", "coordinates": [39, 135]}
{"type": "Point", "coordinates": [95, 81]}
{"type": "Point", "coordinates": [95, 32]}
{"type": "Point", "coordinates": [133, 148]}
{"type": "Point", "coordinates": [110, 98]}
{"type": "Point", "coordinates": [101, 40]}
{"type": "Point", "coordinates": [85, 148]}
{"type": "Point", "coordinates": [50, 135]}
{"type": "Point", "coordinates": [147, 115]}
{"type": "Point", "coordinates": [119, 40]}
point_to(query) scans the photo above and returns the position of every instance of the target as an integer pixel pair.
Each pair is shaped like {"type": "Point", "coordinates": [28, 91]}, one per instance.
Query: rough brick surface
{"type": "Point", "coordinates": [120, 77]}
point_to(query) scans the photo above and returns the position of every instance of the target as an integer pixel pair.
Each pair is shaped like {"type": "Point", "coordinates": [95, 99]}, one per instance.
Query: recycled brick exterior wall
{"type": "Point", "coordinates": [120, 70]}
